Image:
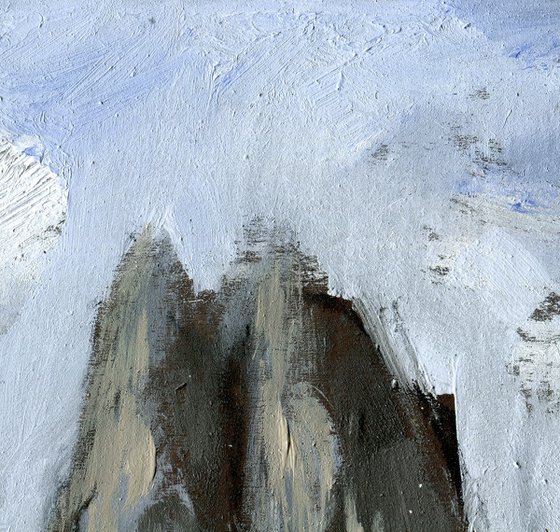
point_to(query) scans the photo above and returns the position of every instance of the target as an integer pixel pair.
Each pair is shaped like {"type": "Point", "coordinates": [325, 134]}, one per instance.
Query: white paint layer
{"type": "Point", "coordinates": [412, 146]}
{"type": "Point", "coordinates": [32, 209]}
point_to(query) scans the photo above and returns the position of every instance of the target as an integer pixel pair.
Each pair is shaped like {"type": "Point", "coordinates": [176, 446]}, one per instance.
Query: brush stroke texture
{"type": "Point", "coordinates": [266, 406]}
{"type": "Point", "coordinates": [399, 139]}
{"type": "Point", "coordinates": [116, 452]}
{"type": "Point", "coordinates": [32, 211]}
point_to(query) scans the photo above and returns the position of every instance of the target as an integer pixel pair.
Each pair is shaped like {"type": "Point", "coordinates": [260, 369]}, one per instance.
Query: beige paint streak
{"type": "Point", "coordinates": [352, 522]}
{"type": "Point", "coordinates": [293, 430]}
{"type": "Point", "coordinates": [122, 457]}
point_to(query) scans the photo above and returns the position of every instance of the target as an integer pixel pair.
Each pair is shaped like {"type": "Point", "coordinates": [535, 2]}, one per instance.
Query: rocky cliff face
{"type": "Point", "coordinates": [263, 406]}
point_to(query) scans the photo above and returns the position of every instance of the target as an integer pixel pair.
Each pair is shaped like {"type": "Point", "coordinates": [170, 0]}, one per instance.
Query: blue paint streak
{"type": "Point", "coordinates": [525, 205]}
{"type": "Point", "coordinates": [469, 187]}
{"type": "Point", "coordinates": [34, 151]}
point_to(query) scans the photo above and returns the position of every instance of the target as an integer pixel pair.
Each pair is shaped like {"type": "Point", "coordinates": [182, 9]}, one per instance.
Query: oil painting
{"type": "Point", "coordinates": [273, 266]}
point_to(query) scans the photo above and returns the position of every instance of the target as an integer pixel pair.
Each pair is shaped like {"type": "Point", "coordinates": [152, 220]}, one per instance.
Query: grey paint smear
{"type": "Point", "coordinates": [549, 308]}
{"type": "Point", "coordinates": [264, 406]}
{"type": "Point", "coordinates": [535, 363]}
{"type": "Point", "coordinates": [114, 459]}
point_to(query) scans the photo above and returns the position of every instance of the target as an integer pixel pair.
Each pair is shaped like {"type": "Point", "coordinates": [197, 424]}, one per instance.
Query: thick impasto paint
{"type": "Point", "coordinates": [268, 266]}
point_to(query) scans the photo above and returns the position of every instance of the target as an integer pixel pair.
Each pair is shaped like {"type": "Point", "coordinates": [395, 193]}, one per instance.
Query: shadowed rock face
{"type": "Point", "coordinates": [264, 406]}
